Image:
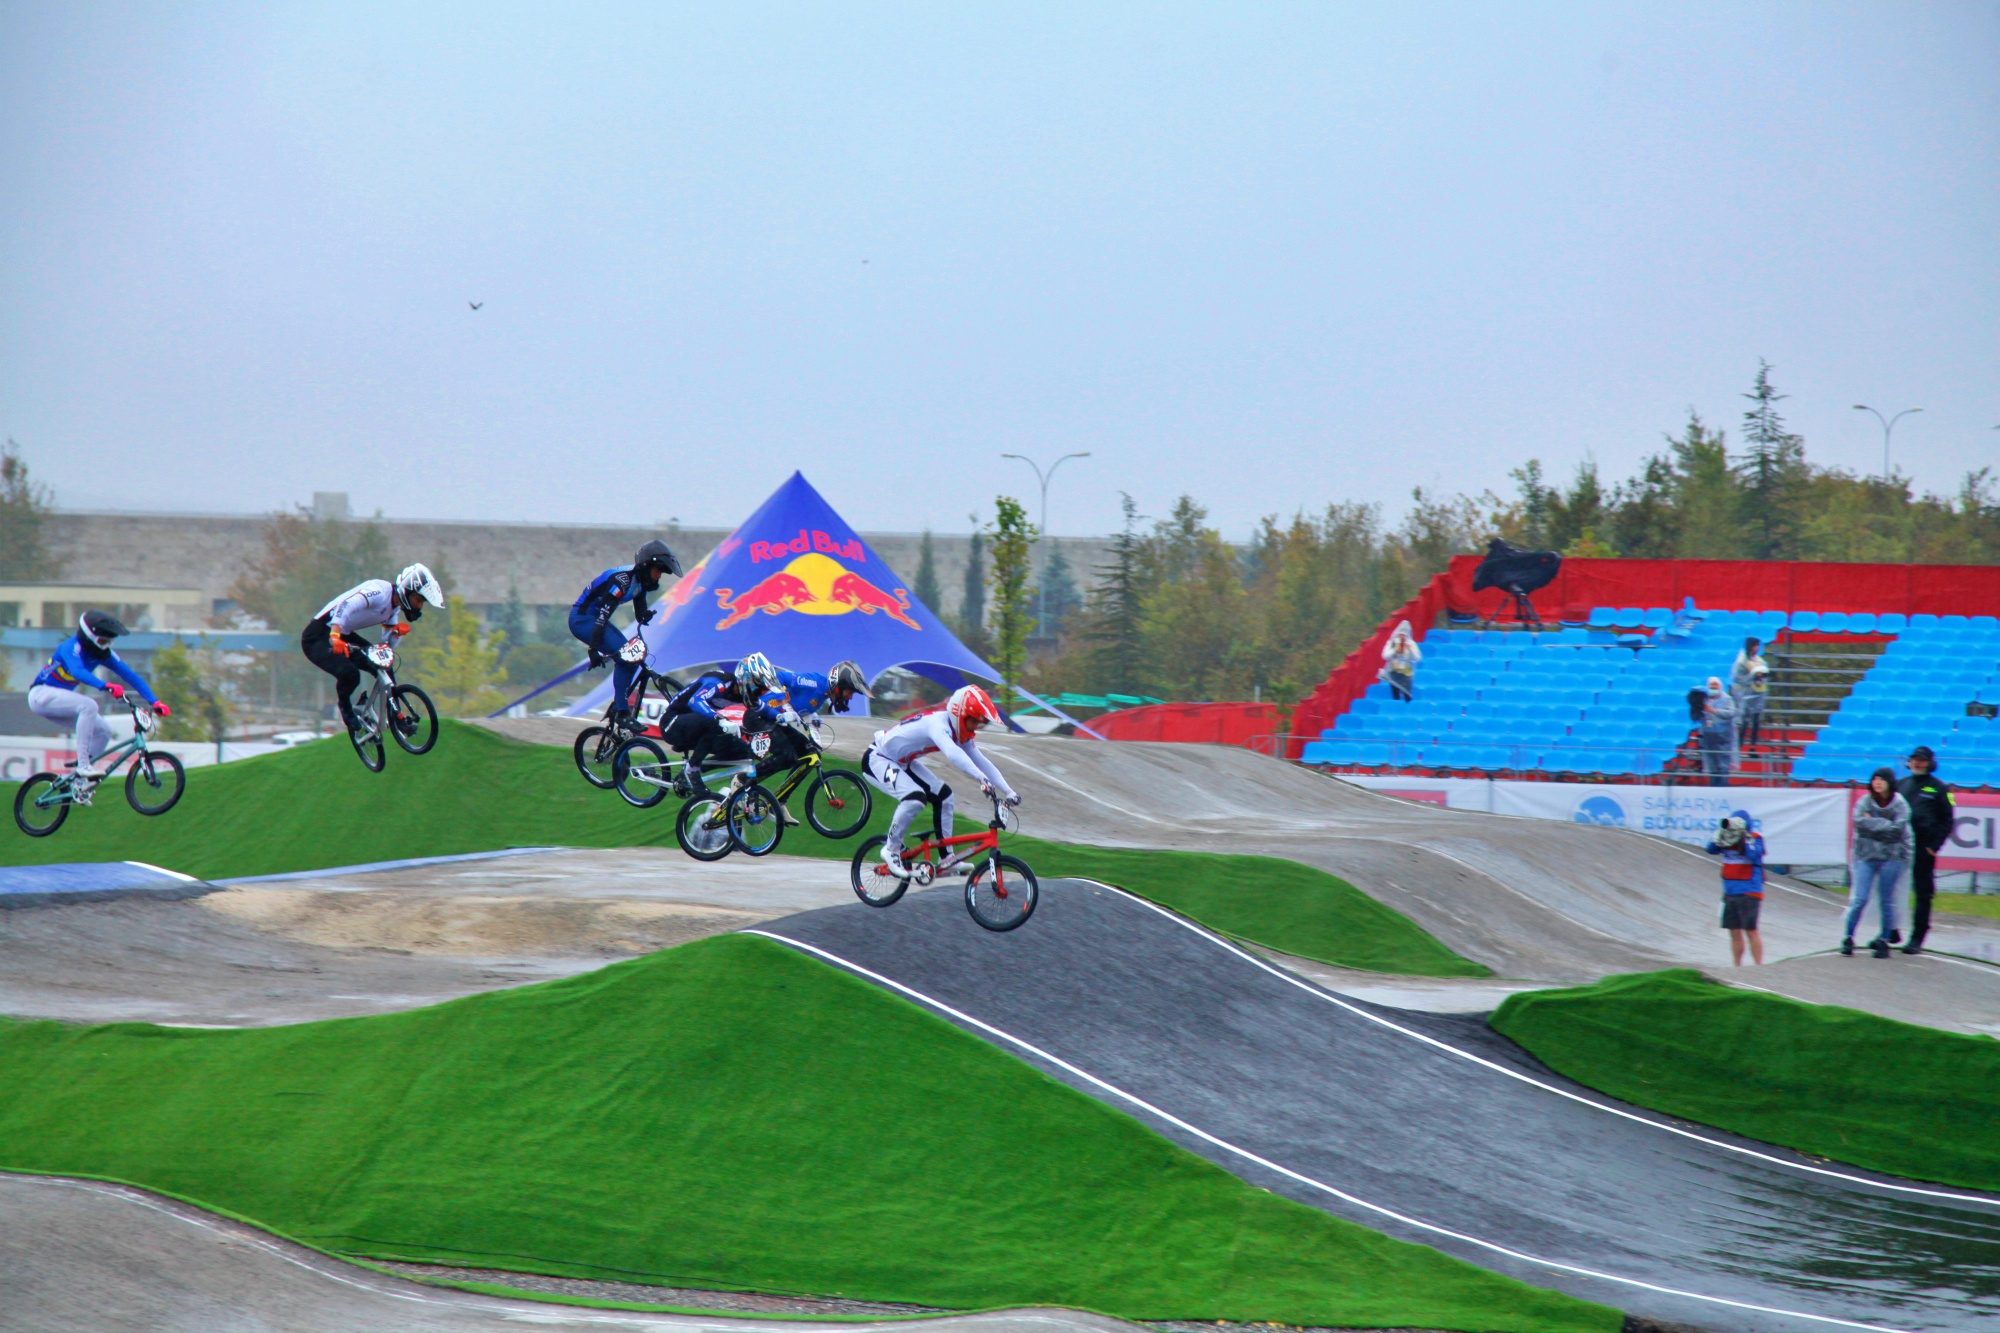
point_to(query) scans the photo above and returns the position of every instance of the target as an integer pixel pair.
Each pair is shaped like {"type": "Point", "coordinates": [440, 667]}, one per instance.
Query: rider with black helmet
{"type": "Point", "coordinates": [56, 695]}
{"type": "Point", "coordinates": [590, 618]}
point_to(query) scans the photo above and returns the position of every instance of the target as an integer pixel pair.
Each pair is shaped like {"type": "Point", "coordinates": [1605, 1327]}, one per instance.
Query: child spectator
{"type": "Point", "coordinates": [1399, 661]}
{"type": "Point", "coordinates": [1741, 848]}
{"type": "Point", "coordinates": [1882, 844]}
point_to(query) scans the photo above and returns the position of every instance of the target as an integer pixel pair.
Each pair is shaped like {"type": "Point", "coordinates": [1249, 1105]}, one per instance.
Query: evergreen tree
{"type": "Point", "coordinates": [1536, 501]}
{"type": "Point", "coordinates": [972, 602]}
{"type": "Point", "coordinates": [1013, 610]}
{"type": "Point", "coordinates": [510, 622]}
{"type": "Point", "coordinates": [1119, 661]}
{"type": "Point", "coordinates": [24, 510]}
{"type": "Point", "coordinates": [1772, 470]}
{"type": "Point", "coordinates": [1059, 601]}
{"type": "Point", "coordinates": [463, 672]}
{"type": "Point", "coordinates": [925, 588]}
{"type": "Point", "coordinates": [200, 712]}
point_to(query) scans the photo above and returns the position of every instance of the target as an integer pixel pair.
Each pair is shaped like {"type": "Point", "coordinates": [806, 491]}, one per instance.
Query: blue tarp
{"type": "Point", "coordinates": [795, 583]}
{"type": "Point", "coordinates": [84, 881]}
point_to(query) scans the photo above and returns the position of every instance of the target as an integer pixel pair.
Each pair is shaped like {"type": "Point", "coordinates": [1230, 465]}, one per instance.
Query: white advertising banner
{"type": "Point", "coordinates": [23, 756]}
{"type": "Point", "coordinates": [1801, 826]}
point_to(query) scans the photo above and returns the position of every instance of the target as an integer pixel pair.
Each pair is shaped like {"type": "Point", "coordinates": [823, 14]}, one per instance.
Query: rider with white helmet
{"type": "Point", "coordinates": [892, 764]}
{"type": "Point", "coordinates": [331, 640]}
{"type": "Point", "coordinates": [694, 725]}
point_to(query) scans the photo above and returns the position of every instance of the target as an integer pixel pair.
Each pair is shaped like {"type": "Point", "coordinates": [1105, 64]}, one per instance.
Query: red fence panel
{"type": "Point", "coordinates": [1213, 723]}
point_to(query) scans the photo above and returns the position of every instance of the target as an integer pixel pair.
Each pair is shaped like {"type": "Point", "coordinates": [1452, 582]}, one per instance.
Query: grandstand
{"type": "Point", "coordinates": [1603, 697]}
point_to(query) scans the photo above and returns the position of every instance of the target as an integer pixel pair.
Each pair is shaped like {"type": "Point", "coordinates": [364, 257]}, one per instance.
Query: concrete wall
{"type": "Point", "coordinates": [548, 563]}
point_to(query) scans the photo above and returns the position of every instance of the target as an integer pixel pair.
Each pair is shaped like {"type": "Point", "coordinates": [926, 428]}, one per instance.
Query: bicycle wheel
{"type": "Point", "coordinates": [703, 829]}
{"type": "Point", "coordinates": [873, 884]}
{"type": "Point", "coordinates": [639, 771]}
{"type": "Point", "coordinates": [838, 803]}
{"type": "Point", "coordinates": [155, 782]}
{"type": "Point", "coordinates": [370, 750]}
{"type": "Point", "coordinates": [1002, 893]}
{"type": "Point", "coordinates": [754, 820]}
{"type": "Point", "coordinates": [413, 721]}
{"type": "Point", "coordinates": [41, 805]}
{"type": "Point", "coordinates": [594, 750]}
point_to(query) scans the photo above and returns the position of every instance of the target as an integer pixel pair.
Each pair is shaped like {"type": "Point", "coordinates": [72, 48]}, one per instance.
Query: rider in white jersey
{"type": "Point", "coordinates": [893, 763]}
{"type": "Point", "coordinates": [369, 605]}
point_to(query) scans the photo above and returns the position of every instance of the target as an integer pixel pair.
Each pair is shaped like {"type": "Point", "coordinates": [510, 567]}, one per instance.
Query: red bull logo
{"type": "Point", "coordinates": [807, 540]}
{"type": "Point", "coordinates": [814, 585]}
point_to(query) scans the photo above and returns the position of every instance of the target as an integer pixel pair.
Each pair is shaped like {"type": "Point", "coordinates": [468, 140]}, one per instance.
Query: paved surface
{"type": "Point", "coordinates": [299, 950]}
{"type": "Point", "coordinates": [79, 1255]}
{"type": "Point", "coordinates": [92, 881]}
{"type": "Point", "coordinates": [1388, 1118]}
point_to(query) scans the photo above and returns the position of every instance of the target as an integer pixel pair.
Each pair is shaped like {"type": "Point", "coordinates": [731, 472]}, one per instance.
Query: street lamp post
{"type": "Point", "coordinates": [1042, 592]}
{"type": "Point", "coordinates": [1888, 425]}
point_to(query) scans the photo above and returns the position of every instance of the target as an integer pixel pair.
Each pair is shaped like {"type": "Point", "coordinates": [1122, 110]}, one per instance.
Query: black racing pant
{"type": "Point", "coordinates": [701, 738]}
{"type": "Point", "coordinates": [787, 748]}
{"type": "Point", "coordinates": [1923, 887]}
{"type": "Point", "coordinates": [317, 643]}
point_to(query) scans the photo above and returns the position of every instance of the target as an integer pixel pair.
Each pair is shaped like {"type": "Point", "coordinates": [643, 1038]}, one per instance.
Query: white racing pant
{"type": "Point", "coordinates": [73, 708]}
{"type": "Point", "coordinates": [914, 787]}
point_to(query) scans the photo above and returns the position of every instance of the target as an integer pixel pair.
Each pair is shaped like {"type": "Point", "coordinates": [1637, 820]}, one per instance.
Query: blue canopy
{"type": "Point", "coordinates": [798, 585]}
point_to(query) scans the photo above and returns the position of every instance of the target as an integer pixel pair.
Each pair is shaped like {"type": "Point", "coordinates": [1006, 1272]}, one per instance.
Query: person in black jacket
{"type": "Point", "coordinates": [1931, 815]}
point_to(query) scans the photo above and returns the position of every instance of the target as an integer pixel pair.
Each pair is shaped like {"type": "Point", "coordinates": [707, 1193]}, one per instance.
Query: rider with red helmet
{"type": "Point", "coordinates": [893, 763]}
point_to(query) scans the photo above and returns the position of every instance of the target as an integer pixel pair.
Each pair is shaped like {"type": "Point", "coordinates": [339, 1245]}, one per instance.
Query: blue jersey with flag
{"type": "Point", "coordinates": [74, 664]}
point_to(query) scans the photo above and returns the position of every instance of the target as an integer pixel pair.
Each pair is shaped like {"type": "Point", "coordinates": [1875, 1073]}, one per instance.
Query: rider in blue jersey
{"type": "Point", "coordinates": [55, 694]}
{"type": "Point", "coordinates": [590, 618]}
{"type": "Point", "coordinates": [809, 692]}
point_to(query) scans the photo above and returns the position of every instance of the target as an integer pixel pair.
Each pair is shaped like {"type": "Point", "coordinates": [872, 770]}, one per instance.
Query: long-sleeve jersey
{"type": "Point", "coordinates": [807, 691]}
{"type": "Point", "coordinates": [932, 734]}
{"type": "Point", "coordinates": [714, 691]}
{"type": "Point", "coordinates": [609, 591]}
{"type": "Point", "coordinates": [365, 606]}
{"type": "Point", "coordinates": [75, 663]}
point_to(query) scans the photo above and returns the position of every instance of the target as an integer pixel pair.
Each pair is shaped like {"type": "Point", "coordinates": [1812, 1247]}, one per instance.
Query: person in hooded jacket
{"type": "Point", "coordinates": [1399, 661]}
{"type": "Point", "coordinates": [1749, 686]}
{"type": "Point", "coordinates": [1718, 733]}
{"type": "Point", "coordinates": [1882, 845]}
{"type": "Point", "coordinates": [1741, 848]}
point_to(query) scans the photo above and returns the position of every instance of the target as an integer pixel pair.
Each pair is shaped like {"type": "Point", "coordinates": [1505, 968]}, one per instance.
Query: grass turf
{"type": "Point", "coordinates": [627, 1124]}
{"type": "Point", "coordinates": [1969, 904]}
{"type": "Point", "coordinates": [1837, 1083]}
{"type": "Point", "coordinates": [316, 807]}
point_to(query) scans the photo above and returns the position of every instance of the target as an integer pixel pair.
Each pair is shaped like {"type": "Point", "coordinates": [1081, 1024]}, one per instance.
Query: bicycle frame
{"type": "Point", "coordinates": [918, 858]}
{"type": "Point", "coordinates": [112, 759]}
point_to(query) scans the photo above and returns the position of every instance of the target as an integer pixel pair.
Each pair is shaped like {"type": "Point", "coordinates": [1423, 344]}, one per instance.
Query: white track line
{"type": "Point", "coordinates": [162, 870]}
{"type": "Point", "coordinates": [1286, 1171]}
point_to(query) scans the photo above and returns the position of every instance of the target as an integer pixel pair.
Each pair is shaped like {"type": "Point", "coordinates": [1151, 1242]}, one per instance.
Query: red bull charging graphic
{"type": "Point", "coordinates": [814, 585]}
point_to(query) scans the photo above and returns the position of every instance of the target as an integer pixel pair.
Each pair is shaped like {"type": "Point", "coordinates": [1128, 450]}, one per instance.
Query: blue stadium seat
{"type": "Point", "coordinates": [1630, 617]}
{"type": "Point", "coordinates": [1832, 622]}
{"type": "Point", "coordinates": [1657, 617]}
{"type": "Point", "coordinates": [1374, 756]}
{"type": "Point", "coordinates": [1603, 617]}
{"type": "Point", "coordinates": [1861, 622]}
{"type": "Point", "coordinates": [1493, 759]}
{"type": "Point", "coordinates": [1316, 752]}
{"type": "Point", "coordinates": [1891, 622]}
{"type": "Point", "coordinates": [1367, 707]}
{"type": "Point", "coordinates": [1771, 621]}
{"type": "Point", "coordinates": [1923, 620]}
{"type": "Point", "coordinates": [1805, 620]}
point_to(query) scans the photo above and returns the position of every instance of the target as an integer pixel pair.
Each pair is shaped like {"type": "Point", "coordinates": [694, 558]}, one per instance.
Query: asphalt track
{"type": "Point", "coordinates": [1428, 1127]}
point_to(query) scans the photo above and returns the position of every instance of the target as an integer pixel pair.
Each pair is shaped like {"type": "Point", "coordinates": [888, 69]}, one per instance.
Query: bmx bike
{"type": "Point", "coordinates": [745, 814]}
{"type": "Point", "coordinates": [153, 784]}
{"type": "Point", "coordinates": [1000, 891]}
{"type": "Point", "coordinates": [596, 749]}
{"type": "Point", "coordinates": [402, 711]}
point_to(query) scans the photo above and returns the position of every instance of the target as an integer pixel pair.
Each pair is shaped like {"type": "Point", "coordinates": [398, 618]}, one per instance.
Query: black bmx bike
{"type": "Point", "coordinates": [597, 748]}
{"type": "Point", "coordinates": [747, 815]}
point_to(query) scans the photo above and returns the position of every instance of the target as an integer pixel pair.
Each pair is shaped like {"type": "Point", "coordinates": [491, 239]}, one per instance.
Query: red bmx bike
{"type": "Point", "coordinates": [1000, 891]}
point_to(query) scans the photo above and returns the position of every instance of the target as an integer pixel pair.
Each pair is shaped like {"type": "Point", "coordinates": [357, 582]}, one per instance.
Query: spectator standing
{"type": "Point", "coordinates": [1931, 820]}
{"type": "Point", "coordinates": [1749, 683]}
{"type": "Point", "coordinates": [1399, 661]}
{"type": "Point", "coordinates": [1881, 850]}
{"type": "Point", "coordinates": [1741, 848]}
{"type": "Point", "coordinates": [1718, 733]}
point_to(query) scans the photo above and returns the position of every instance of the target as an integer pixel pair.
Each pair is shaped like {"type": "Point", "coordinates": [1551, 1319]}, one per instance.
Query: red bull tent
{"type": "Point", "coordinates": [798, 585]}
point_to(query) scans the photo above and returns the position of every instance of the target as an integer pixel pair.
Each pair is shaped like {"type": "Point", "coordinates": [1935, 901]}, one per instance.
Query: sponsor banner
{"type": "Point", "coordinates": [1800, 826]}
{"type": "Point", "coordinates": [21, 757]}
{"type": "Point", "coordinates": [1975, 840]}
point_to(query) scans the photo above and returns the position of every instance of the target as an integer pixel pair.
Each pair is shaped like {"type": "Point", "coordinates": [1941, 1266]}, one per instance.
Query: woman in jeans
{"type": "Point", "coordinates": [1882, 846]}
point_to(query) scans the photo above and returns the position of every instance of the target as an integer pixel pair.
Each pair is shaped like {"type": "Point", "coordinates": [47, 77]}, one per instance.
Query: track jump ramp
{"type": "Point", "coordinates": [1430, 1128]}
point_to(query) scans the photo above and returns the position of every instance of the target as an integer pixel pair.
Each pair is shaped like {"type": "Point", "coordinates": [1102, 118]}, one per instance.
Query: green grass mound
{"type": "Point", "coordinates": [726, 1114]}
{"type": "Point", "coordinates": [316, 807]}
{"type": "Point", "coordinates": [1837, 1083]}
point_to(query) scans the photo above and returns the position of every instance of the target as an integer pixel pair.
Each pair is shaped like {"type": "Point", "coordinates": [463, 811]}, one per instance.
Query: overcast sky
{"type": "Point", "coordinates": [1272, 255]}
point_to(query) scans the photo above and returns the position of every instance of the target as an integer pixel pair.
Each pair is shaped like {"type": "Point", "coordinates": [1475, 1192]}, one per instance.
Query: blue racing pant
{"type": "Point", "coordinates": [609, 640]}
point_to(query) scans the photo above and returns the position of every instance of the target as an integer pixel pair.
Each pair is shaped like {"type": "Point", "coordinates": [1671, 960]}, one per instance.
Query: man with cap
{"type": "Point", "coordinates": [1931, 816]}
